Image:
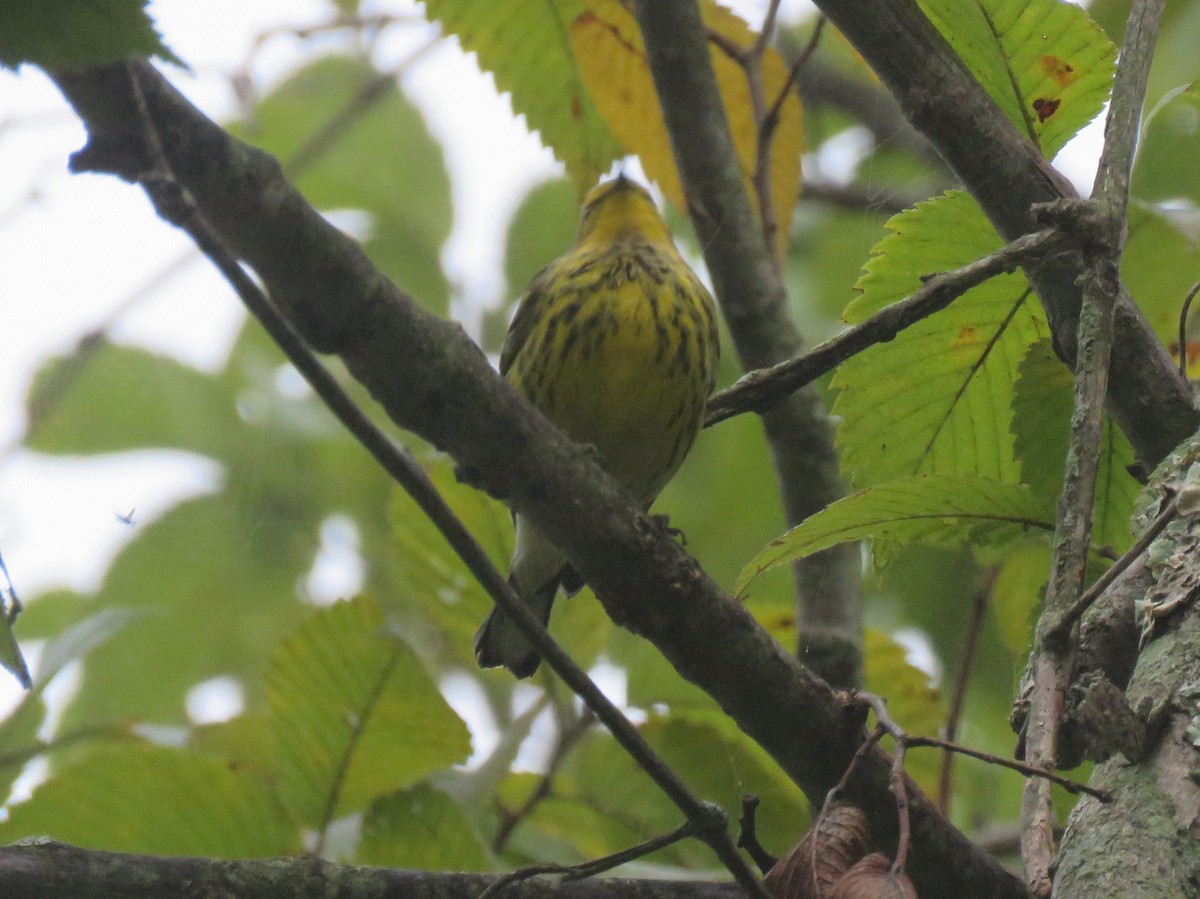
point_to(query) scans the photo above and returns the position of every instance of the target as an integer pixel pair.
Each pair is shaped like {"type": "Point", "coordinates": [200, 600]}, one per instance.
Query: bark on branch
{"type": "Point", "coordinates": [56, 870]}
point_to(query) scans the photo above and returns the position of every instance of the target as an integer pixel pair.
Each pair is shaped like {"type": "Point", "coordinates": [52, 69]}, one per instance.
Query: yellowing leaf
{"type": "Point", "coordinates": [523, 44]}
{"type": "Point", "coordinates": [913, 701]}
{"type": "Point", "coordinates": [1044, 62]}
{"type": "Point", "coordinates": [612, 62]}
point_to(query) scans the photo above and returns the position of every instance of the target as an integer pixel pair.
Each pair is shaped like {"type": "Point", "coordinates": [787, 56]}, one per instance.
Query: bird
{"type": "Point", "coordinates": [616, 343]}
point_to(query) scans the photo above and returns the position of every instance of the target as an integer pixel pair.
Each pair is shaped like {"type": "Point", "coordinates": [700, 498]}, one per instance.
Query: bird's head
{"type": "Point", "coordinates": [620, 209]}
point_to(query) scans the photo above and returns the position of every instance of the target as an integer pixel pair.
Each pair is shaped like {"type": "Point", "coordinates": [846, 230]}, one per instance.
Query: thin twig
{"type": "Point", "coordinates": [373, 24]}
{"type": "Point", "coordinates": [708, 821]}
{"type": "Point", "coordinates": [885, 724]}
{"type": "Point", "coordinates": [1183, 341]}
{"type": "Point", "coordinates": [772, 118]}
{"type": "Point", "coordinates": [751, 61]}
{"type": "Point", "coordinates": [768, 28]}
{"type": "Point", "coordinates": [758, 390]}
{"type": "Point", "coordinates": [1071, 786]}
{"type": "Point", "coordinates": [1052, 662]}
{"type": "Point", "coordinates": [1060, 629]}
{"type": "Point", "coordinates": [593, 867]}
{"type": "Point", "coordinates": [898, 786]}
{"type": "Point", "coordinates": [748, 834]}
{"type": "Point", "coordinates": [879, 200]}
{"type": "Point", "coordinates": [958, 698]}
{"type": "Point", "coordinates": [569, 735]}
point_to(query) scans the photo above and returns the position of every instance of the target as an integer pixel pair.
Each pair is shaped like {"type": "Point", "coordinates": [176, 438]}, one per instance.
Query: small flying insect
{"type": "Point", "coordinates": [126, 519]}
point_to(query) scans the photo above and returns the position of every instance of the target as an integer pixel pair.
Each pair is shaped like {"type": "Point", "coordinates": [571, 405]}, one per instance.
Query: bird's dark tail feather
{"type": "Point", "coordinates": [499, 642]}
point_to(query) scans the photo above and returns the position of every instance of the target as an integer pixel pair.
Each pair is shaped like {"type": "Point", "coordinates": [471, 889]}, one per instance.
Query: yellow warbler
{"type": "Point", "coordinates": [616, 343]}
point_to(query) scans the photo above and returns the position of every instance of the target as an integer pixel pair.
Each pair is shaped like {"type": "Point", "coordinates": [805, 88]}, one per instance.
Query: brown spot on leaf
{"type": "Point", "coordinates": [1059, 69]}
{"type": "Point", "coordinates": [967, 336]}
{"type": "Point", "coordinates": [1046, 107]}
{"type": "Point", "coordinates": [576, 108]}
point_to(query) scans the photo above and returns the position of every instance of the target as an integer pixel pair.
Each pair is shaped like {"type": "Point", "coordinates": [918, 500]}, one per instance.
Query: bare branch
{"type": "Point", "coordinates": [1053, 660]}
{"type": "Point", "coordinates": [46, 870]}
{"type": "Point", "coordinates": [759, 389]}
{"type": "Point", "coordinates": [1060, 629]}
{"type": "Point", "coordinates": [958, 698]}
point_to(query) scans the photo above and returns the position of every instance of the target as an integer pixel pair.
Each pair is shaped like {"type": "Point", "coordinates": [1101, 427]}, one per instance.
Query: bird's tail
{"type": "Point", "coordinates": [499, 642]}
{"type": "Point", "coordinates": [537, 570]}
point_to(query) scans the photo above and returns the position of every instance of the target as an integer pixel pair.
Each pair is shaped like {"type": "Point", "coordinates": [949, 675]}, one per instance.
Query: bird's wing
{"type": "Point", "coordinates": [529, 308]}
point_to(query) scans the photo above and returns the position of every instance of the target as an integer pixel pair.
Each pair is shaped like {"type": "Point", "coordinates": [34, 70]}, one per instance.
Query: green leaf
{"type": "Point", "coordinates": [1168, 164]}
{"type": "Point", "coordinates": [382, 161]}
{"type": "Point", "coordinates": [10, 652]}
{"type": "Point", "coordinates": [542, 229]}
{"type": "Point", "coordinates": [152, 799]}
{"type": "Point", "coordinates": [937, 399]}
{"type": "Point", "coordinates": [19, 742]}
{"type": "Point", "coordinates": [109, 398]}
{"type": "Point", "coordinates": [443, 602]}
{"type": "Point", "coordinates": [354, 714]}
{"type": "Point", "coordinates": [930, 509]}
{"type": "Point", "coordinates": [1044, 62]}
{"type": "Point", "coordinates": [213, 586]}
{"type": "Point", "coordinates": [1018, 591]}
{"type": "Point", "coordinates": [77, 33]}
{"type": "Point", "coordinates": [246, 743]}
{"type": "Point", "coordinates": [527, 48]}
{"type": "Point", "coordinates": [1042, 405]}
{"type": "Point", "coordinates": [18, 732]}
{"type": "Point", "coordinates": [1160, 263]}
{"type": "Point", "coordinates": [420, 828]}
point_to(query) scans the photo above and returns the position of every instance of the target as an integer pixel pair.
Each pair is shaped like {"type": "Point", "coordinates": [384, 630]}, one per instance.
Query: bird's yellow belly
{"type": "Point", "coordinates": [623, 386]}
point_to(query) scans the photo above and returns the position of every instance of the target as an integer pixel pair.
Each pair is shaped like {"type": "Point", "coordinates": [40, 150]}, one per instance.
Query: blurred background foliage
{"type": "Point", "coordinates": [361, 728]}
